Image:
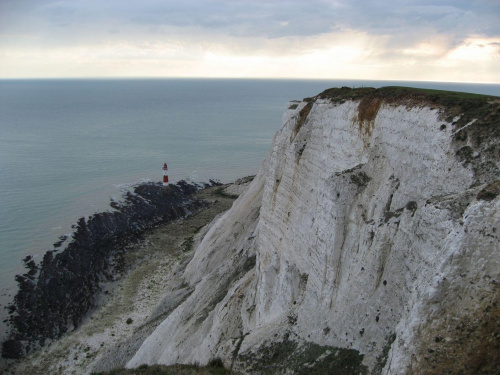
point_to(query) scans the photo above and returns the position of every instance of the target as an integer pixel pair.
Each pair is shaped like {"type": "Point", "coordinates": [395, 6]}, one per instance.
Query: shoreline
{"type": "Point", "coordinates": [55, 295]}
{"type": "Point", "coordinates": [153, 266]}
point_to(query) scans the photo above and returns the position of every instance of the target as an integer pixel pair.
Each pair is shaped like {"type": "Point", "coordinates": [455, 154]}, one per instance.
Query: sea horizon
{"type": "Point", "coordinates": [104, 78]}
{"type": "Point", "coordinates": [70, 145]}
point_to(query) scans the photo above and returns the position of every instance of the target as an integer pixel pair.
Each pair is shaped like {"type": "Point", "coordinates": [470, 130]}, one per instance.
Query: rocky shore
{"type": "Point", "coordinates": [56, 295]}
{"type": "Point", "coordinates": [130, 306]}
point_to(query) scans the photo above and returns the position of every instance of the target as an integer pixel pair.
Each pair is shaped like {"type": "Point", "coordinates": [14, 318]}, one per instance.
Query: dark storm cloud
{"type": "Point", "coordinates": [404, 22]}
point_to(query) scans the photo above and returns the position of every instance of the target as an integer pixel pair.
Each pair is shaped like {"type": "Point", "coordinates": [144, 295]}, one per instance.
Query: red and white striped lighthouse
{"type": "Point", "coordinates": [165, 175]}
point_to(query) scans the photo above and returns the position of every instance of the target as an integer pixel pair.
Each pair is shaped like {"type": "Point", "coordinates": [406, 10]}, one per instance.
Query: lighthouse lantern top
{"type": "Point", "coordinates": [165, 166]}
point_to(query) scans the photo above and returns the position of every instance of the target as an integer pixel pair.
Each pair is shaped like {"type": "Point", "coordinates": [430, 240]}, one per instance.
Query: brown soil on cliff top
{"type": "Point", "coordinates": [467, 345]}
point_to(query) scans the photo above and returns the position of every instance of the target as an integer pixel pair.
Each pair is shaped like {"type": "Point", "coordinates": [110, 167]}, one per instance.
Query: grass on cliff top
{"type": "Point", "coordinates": [397, 94]}
{"type": "Point", "coordinates": [214, 368]}
{"type": "Point", "coordinates": [452, 94]}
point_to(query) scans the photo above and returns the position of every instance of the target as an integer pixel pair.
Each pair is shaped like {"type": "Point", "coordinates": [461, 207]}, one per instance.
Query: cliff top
{"type": "Point", "coordinates": [401, 93]}
{"type": "Point", "coordinates": [454, 102]}
{"type": "Point", "coordinates": [458, 108]}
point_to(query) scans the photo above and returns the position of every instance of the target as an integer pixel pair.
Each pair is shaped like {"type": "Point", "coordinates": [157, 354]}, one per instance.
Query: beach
{"type": "Point", "coordinates": [132, 306]}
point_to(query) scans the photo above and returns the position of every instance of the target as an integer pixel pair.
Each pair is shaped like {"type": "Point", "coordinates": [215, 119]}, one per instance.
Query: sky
{"type": "Point", "coordinates": [438, 40]}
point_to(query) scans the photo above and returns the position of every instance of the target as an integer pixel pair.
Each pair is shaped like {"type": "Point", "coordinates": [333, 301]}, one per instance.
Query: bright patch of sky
{"type": "Point", "coordinates": [441, 40]}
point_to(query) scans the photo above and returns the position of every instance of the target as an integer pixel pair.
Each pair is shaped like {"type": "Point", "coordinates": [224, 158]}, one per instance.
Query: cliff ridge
{"type": "Point", "coordinates": [367, 243]}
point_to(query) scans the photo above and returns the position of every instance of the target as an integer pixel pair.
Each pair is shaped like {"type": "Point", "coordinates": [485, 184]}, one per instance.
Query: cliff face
{"type": "Point", "coordinates": [370, 233]}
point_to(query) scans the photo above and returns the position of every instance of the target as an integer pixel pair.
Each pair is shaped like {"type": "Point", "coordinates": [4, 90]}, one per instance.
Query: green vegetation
{"type": "Point", "coordinates": [222, 193]}
{"type": "Point", "coordinates": [344, 93]}
{"type": "Point", "coordinates": [490, 192]}
{"type": "Point", "coordinates": [382, 358]}
{"type": "Point", "coordinates": [397, 91]}
{"type": "Point", "coordinates": [215, 367]}
{"type": "Point", "coordinates": [304, 359]}
{"type": "Point", "coordinates": [455, 94]}
{"type": "Point", "coordinates": [390, 93]}
{"type": "Point", "coordinates": [452, 101]}
{"type": "Point", "coordinates": [187, 245]}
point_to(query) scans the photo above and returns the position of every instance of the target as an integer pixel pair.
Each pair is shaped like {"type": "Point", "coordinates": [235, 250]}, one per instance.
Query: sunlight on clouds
{"type": "Point", "coordinates": [348, 54]}
{"type": "Point", "coordinates": [314, 58]}
{"type": "Point", "coordinates": [475, 49]}
{"type": "Point", "coordinates": [328, 55]}
{"type": "Point", "coordinates": [143, 50]}
{"type": "Point", "coordinates": [474, 60]}
{"type": "Point", "coordinates": [424, 50]}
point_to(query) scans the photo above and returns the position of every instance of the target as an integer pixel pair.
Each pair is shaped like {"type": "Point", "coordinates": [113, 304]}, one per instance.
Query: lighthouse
{"type": "Point", "coordinates": [165, 175]}
{"type": "Point", "coordinates": [166, 189]}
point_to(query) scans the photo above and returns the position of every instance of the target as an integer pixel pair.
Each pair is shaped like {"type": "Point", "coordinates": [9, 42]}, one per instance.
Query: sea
{"type": "Point", "coordinates": [68, 146]}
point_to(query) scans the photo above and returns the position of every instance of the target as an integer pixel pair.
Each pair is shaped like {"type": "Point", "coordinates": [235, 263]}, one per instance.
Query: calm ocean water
{"type": "Point", "coordinates": [67, 146]}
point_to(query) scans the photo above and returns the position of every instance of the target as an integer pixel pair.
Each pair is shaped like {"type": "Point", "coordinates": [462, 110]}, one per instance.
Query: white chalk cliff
{"type": "Point", "coordinates": [372, 226]}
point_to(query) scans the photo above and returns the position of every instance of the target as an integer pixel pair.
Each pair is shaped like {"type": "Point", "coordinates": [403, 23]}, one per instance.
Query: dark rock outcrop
{"type": "Point", "coordinates": [55, 296]}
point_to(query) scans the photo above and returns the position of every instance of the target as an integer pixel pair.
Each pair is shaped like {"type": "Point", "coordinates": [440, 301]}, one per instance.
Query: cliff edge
{"type": "Point", "coordinates": [367, 243]}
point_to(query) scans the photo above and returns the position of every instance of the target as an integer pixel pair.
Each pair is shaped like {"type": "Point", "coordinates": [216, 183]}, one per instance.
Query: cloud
{"type": "Point", "coordinates": [371, 32]}
{"type": "Point", "coordinates": [264, 18]}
